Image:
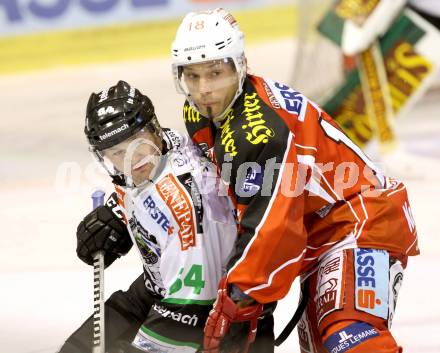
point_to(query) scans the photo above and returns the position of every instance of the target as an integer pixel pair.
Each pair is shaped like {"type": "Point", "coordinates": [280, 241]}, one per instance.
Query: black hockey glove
{"type": "Point", "coordinates": [103, 230]}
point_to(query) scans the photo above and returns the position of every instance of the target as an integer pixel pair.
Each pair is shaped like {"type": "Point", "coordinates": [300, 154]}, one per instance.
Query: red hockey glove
{"type": "Point", "coordinates": [224, 312]}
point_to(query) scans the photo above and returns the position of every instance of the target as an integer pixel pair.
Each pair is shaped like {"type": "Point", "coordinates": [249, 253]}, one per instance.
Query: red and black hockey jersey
{"type": "Point", "coordinates": [301, 187]}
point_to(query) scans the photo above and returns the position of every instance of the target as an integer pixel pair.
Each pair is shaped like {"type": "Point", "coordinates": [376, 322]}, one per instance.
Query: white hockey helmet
{"type": "Point", "coordinates": [206, 36]}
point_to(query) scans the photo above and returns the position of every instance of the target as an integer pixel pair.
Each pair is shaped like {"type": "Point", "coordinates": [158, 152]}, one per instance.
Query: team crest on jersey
{"type": "Point", "coordinates": [175, 197]}
{"type": "Point", "coordinates": [144, 237]}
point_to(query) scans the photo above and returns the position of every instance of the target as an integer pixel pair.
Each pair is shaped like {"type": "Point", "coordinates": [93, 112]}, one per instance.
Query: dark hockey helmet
{"type": "Point", "coordinates": [117, 113]}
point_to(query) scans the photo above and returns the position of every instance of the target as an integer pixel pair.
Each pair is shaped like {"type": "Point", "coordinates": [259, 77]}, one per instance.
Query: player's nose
{"type": "Point", "coordinates": [205, 86]}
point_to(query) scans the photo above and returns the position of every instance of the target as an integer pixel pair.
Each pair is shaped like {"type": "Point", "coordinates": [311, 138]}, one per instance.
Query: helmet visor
{"type": "Point", "coordinates": [136, 159]}
{"type": "Point", "coordinates": [210, 86]}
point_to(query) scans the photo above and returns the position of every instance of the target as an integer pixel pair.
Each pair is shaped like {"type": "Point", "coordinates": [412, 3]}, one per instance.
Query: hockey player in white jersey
{"type": "Point", "coordinates": [170, 204]}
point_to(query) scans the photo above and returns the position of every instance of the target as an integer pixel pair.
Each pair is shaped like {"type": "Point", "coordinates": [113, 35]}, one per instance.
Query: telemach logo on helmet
{"type": "Point", "coordinates": [124, 134]}
{"type": "Point", "coordinates": [113, 132]}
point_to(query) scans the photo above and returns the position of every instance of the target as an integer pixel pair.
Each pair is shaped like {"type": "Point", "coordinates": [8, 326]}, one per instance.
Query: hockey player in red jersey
{"type": "Point", "coordinates": [310, 203]}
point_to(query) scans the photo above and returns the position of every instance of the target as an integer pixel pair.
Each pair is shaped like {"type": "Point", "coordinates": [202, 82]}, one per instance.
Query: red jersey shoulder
{"type": "Point", "coordinates": [286, 101]}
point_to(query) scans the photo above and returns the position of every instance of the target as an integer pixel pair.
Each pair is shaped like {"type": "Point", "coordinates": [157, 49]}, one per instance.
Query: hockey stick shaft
{"type": "Point", "coordinates": [98, 289]}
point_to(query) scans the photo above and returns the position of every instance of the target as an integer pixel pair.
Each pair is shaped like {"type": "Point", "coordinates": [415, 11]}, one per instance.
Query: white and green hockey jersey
{"type": "Point", "coordinates": [183, 225]}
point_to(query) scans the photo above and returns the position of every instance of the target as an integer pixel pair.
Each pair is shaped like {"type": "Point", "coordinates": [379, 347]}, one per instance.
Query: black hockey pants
{"type": "Point", "coordinates": [125, 312]}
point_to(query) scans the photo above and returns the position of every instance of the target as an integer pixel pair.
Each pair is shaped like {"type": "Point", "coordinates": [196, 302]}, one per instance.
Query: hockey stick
{"type": "Point", "coordinates": [98, 289]}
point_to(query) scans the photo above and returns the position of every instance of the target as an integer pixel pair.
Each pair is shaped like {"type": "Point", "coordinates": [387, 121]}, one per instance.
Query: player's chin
{"type": "Point", "coordinates": [203, 111]}
{"type": "Point", "coordinates": [214, 112]}
{"type": "Point", "coordinates": [206, 109]}
{"type": "Point", "coordinates": [140, 176]}
{"type": "Point", "coordinates": [139, 180]}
